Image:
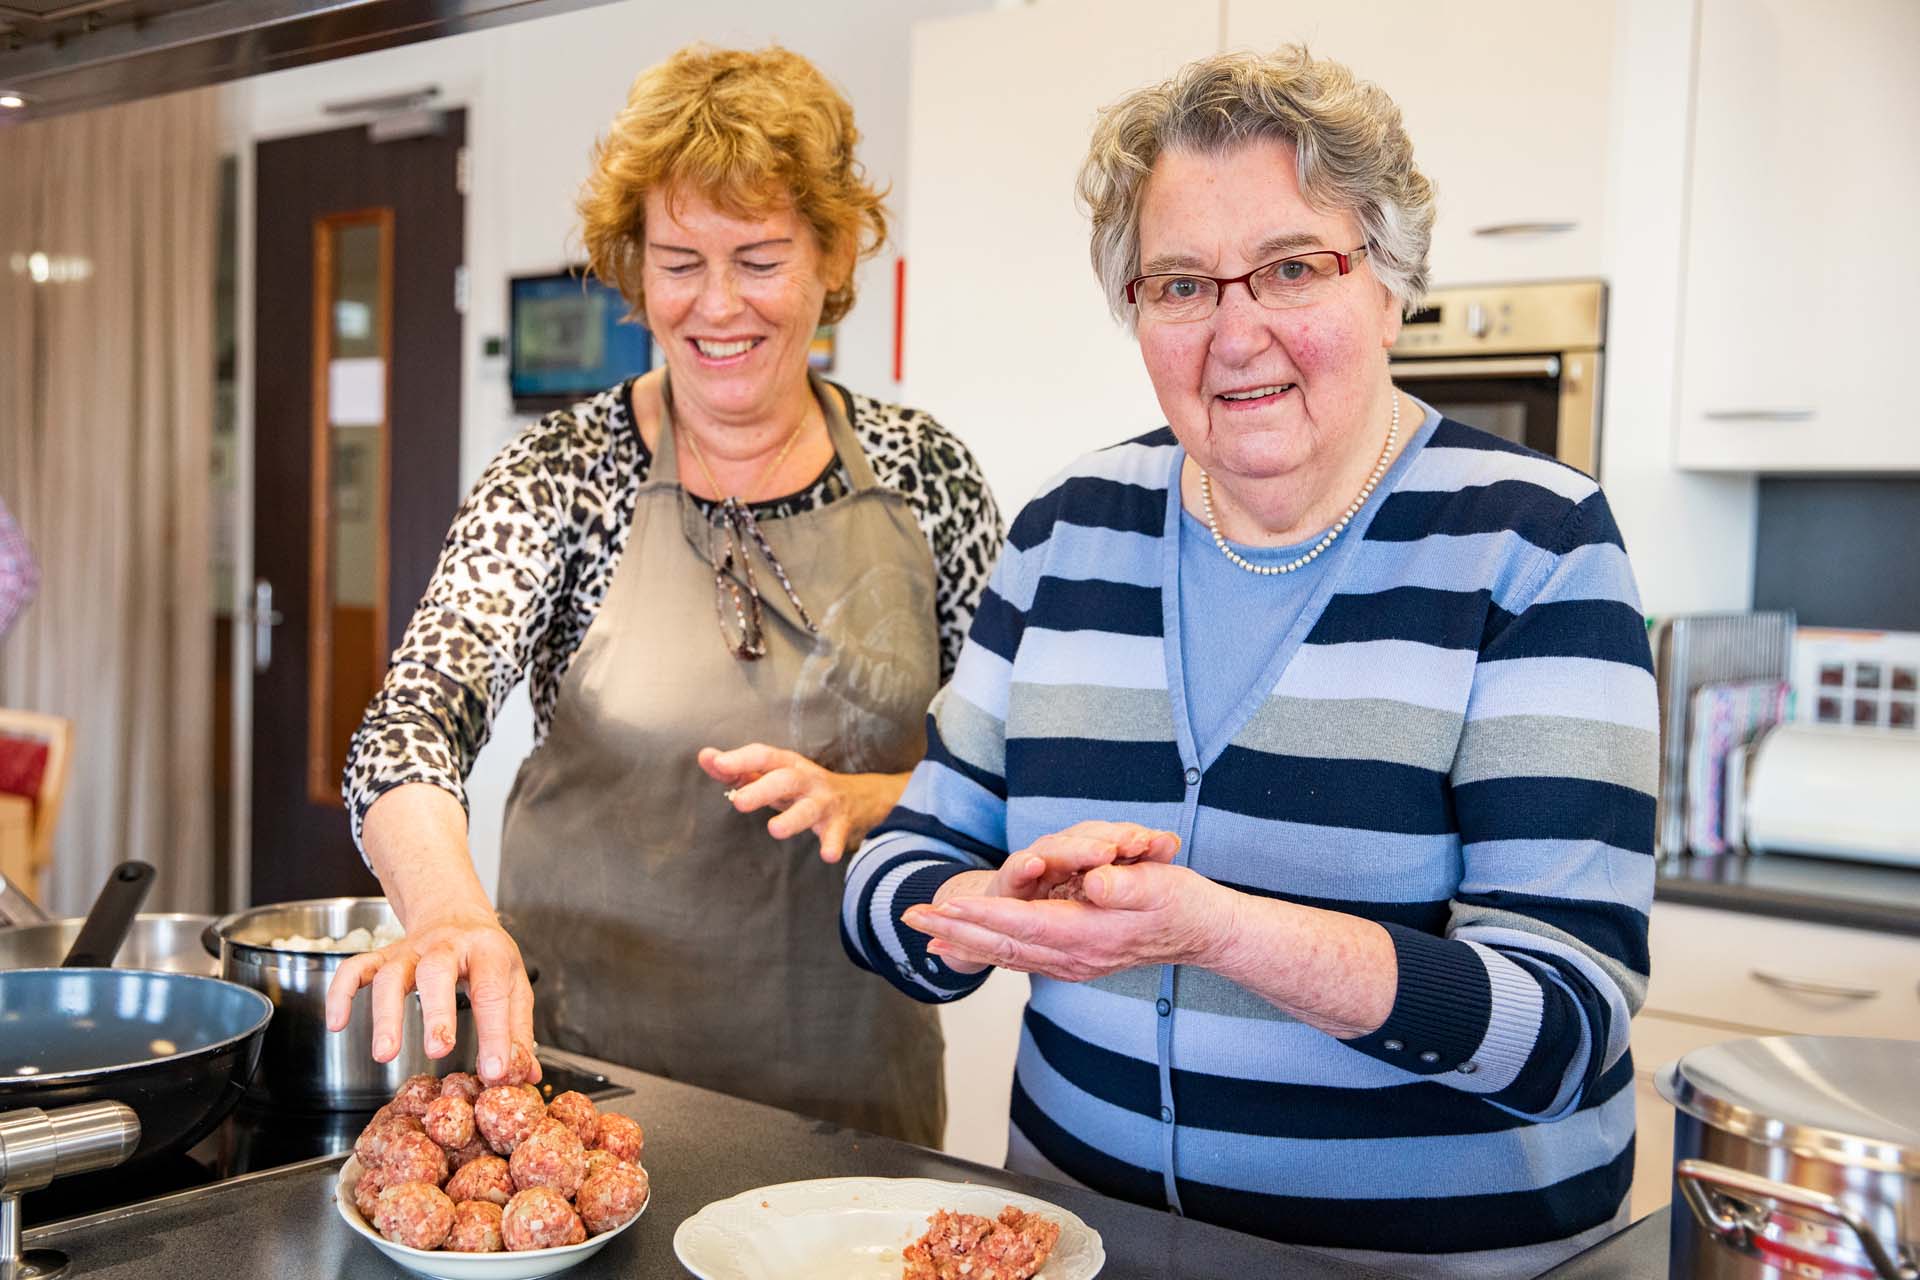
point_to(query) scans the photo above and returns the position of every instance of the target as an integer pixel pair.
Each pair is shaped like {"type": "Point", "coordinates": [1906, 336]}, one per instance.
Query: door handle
{"type": "Point", "coordinates": [265, 619]}
{"type": "Point", "coordinates": [1535, 227]}
{"type": "Point", "coordinates": [1757, 415]}
{"type": "Point", "coordinates": [1808, 987]}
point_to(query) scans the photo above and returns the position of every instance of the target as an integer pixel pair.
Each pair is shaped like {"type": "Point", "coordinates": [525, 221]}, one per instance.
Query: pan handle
{"type": "Point", "coordinates": [112, 915]}
{"type": "Point", "coordinates": [1711, 1192]}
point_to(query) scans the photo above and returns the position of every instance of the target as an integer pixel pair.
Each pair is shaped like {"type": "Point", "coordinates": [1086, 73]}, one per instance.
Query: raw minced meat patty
{"type": "Point", "coordinates": [966, 1246]}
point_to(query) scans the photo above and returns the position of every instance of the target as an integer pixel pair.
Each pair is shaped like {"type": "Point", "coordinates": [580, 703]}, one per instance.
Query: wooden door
{"type": "Point", "coordinates": [357, 413]}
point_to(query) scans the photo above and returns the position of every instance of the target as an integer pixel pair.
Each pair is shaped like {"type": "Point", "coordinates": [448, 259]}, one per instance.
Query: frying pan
{"type": "Point", "coordinates": [178, 1048]}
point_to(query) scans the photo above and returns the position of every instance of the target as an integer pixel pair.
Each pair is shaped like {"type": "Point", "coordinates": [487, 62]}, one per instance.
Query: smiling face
{"type": "Point", "coordinates": [1255, 393]}
{"type": "Point", "coordinates": [733, 303]}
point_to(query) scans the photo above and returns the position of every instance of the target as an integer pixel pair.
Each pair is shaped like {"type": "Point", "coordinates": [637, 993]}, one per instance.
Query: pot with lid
{"type": "Point", "coordinates": [1798, 1156]}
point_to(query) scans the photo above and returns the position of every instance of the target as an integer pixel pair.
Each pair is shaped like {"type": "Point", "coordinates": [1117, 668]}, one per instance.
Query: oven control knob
{"type": "Point", "coordinates": [1476, 320]}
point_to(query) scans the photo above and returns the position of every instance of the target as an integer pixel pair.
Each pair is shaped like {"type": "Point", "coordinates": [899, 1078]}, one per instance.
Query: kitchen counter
{"type": "Point", "coordinates": [1857, 895]}
{"type": "Point", "coordinates": [701, 1147]}
{"type": "Point", "coordinates": [1638, 1253]}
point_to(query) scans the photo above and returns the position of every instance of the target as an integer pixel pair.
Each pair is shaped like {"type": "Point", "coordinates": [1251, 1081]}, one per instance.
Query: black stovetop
{"type": "Point", "coordinates": [253, 1139]}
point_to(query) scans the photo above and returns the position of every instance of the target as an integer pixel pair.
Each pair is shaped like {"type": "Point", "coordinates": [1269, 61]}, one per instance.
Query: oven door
{"type": "Point", "coordinates": [1545, 402]}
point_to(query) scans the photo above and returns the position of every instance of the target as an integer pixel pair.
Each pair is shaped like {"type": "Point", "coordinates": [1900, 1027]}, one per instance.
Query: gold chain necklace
{"type": "Point", "coordinates": [719, 492]}
{"type": "Point", "coordinates": [1302, 561]}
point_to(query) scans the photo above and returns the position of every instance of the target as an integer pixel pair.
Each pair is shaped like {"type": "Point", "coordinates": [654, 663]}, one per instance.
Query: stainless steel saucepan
{"type": "Point", "coordinates": [304, 1065]}
{"type": "Point", "coordinates": [1798, 1156]}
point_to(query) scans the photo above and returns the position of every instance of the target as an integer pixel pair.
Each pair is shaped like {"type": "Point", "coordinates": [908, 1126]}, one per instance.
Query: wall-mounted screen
{"type": "Point", "coordinates": [570, 340]}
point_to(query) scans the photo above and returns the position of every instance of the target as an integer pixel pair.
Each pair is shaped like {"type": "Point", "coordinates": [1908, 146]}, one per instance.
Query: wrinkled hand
{"type": "Point", "coordinates": [1058, 861]}
{"type": "Point", "coordinates": [433, 957]}
{"type": "Point", "coordinates": [1128, 916]}
{"type": "Point", "coordinates": [839, 808]}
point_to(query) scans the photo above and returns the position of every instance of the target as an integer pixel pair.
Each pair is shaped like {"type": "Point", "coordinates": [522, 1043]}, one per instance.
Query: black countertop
{"type": "Point", "coordinates": [701, 1147]}
{"type": "Point", "coordinates": [1858, 895]}
{"type": "Point", "coordinates": [1638, 1253]}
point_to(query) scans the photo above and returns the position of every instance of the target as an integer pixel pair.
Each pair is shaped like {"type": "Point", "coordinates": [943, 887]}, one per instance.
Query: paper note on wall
{"type": "Point", "coordinates": [357, 392]}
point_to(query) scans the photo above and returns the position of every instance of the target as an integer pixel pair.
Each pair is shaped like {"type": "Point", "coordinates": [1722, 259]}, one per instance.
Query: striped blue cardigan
{"type": "Point", "coordinates": [1457, 739]}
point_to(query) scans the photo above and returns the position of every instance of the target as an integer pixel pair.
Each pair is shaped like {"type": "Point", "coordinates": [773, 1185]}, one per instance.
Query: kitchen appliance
{"type": "Point", "coordinates": [1797, 1156]}
{"type": "Point", "coordinates": [255, 1139]}
{"type": "Point", "coordinates": [1835, 791]}
{"type": "Point", "coordinates": [1522, 361]}
{"type": "Point", "coordinates": [303, 1064]}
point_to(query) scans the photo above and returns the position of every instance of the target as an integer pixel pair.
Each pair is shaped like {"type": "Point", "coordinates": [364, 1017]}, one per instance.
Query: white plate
{"type": "Point", "coordinates": [439, 1264]}
{"type": "Point", "coordinates": [854, 1229]}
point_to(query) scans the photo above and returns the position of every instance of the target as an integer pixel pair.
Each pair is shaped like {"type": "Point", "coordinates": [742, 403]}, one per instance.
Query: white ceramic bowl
{"type": "Point", "coordinates": [439, 1264]}
{"type": "Point", "coordinates": [854, 1229]}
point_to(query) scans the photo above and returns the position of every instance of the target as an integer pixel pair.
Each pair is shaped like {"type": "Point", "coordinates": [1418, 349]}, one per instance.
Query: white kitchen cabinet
{"type": "Point", "coordinates": [1812, 980]}
{"type": "Point", "coordinates": [1507, 105]}
{"type": "Point", "coordinates": [1800, 263]}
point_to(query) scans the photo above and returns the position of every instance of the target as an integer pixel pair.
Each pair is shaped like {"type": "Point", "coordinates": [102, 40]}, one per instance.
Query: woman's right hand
{"type": "Point", "coordinates": [1053, 861]}
{"type": "Point", "coordinates": [437, 953]}
{"type": "Point", "coordinates": [1056, 860]}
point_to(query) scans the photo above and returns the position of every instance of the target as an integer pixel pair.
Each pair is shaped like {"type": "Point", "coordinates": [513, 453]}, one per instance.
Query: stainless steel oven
{"type": "Point", "coordinates": [1521, 361]}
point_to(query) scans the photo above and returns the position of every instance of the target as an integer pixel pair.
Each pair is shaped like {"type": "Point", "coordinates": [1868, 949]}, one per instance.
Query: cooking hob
{"type": "Point", "coordinates": [254, 1139]}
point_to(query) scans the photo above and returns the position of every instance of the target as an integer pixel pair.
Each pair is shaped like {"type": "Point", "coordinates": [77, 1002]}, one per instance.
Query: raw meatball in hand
{"type": "Point", "coordinates": [414, 1214]}
{"type": "Point", "coordinates": [540, 1218]}
{"type": "Point", "coordinates": [611, 1196]}
{"type": "Point", "coordinates": [577, 1112]}
{"type": "Point", "coordinates": [506, 1115]}
{"type": "Point", "coordinates": [449, 1122]}
{"type": "Point", "coordinates": [550, 1157]}
{"type": "Point", "coordinates": [487, 1178]}
{"type": "Point", "coordinates": [622, 1136]}
{"type": "Point", "coordinates": [476, 1228]}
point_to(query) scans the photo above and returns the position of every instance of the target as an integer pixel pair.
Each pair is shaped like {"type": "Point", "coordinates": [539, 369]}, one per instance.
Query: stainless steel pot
{"type": "Point", "coordinates": [170, 943]}
{"type": "Point", "coordinates": [303, 1065]}
{"type": "Point", "coordinates": [1798, 1156]}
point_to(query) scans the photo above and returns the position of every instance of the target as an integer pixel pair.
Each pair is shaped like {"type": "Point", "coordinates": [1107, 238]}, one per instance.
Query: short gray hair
{"type": "Point", "coordinates": [1353, 155]}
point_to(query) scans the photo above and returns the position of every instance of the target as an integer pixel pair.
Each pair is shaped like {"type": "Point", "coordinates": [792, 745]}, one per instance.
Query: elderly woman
{"type": "Point", "coordinates": [1303, 751]}
{"type": "Point", "coordinates": [726, 574]}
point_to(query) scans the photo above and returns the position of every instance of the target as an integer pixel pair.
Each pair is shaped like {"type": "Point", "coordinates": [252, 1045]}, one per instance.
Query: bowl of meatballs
{"type": "Point", "coordinates": [457, 1181]}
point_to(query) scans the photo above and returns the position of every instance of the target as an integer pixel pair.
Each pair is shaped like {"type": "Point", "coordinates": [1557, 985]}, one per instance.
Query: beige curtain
{"type": "Point", "coordinates": [106, 402]}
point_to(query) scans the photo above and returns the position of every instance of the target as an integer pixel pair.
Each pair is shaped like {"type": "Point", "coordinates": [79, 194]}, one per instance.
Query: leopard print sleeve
{"type": "Point", "coordinates": [503, 572]}
{"type": "Point", "coordinates": [940, 478]}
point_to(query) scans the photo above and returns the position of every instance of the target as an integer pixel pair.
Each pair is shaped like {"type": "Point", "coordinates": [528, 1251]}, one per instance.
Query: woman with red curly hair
{"type": "Point", "coordinates": [732, 586]}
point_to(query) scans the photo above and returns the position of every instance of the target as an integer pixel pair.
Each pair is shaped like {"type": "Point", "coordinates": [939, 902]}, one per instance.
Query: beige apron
{"type": "Point", "coordinates": [675, 935]}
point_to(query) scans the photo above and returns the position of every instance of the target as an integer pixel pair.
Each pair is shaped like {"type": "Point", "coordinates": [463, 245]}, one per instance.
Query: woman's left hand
{"type": "Point", "coordinates": [1129, 916]}
{"type": "Point", "coordinates": [839, 808]}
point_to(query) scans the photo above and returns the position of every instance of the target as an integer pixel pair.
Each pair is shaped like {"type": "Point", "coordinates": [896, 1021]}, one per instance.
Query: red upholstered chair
{"type": "Point", "coordinates": [34, 758]}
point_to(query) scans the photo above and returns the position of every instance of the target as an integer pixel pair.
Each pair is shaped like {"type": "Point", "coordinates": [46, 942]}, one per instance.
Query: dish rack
{"type": "Point", "coordinates": [1692, 650]}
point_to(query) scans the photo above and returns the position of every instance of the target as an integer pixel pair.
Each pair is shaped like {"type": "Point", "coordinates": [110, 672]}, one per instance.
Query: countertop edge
{"type": "Point", "coordinates": [1785, 904]}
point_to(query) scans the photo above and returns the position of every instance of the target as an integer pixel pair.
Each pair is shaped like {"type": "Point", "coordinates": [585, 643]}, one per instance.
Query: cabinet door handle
{"type": "Point", "coordinates": [1807, 987]}
{"type": "Point", "coordinates": [1537, 227]}
{"type": "Point", "coordinates": [1757, 415]}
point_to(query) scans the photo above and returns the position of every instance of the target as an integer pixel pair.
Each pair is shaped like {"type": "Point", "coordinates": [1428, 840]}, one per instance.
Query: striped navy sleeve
{"type": "Point", "coordinates": [1526, 999]}
{"type": "Point", "coordinates": [952, 816]}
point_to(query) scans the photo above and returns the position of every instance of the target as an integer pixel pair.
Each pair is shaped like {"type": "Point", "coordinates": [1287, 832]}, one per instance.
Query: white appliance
{"type": "Point", "coordinates": [1835, 791]}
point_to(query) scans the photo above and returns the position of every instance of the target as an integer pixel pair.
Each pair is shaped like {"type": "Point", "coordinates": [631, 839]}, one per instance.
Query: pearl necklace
{"type": "Point", "coordinates": [1301, 562]}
